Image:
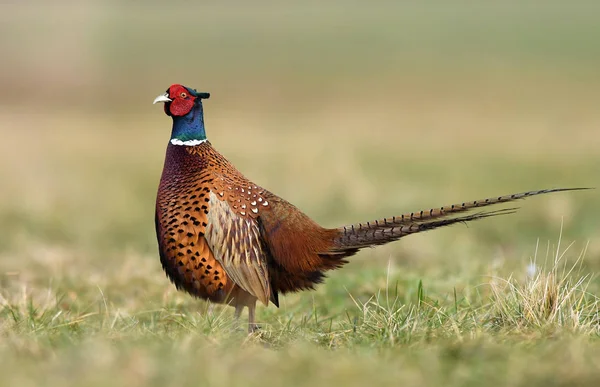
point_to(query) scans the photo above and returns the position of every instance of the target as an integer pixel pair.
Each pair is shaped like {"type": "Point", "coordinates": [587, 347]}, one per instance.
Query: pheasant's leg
{"type": "Point", "coordinates": [252, 327]}
{"type": "Point", "coordinates": [239, 308]}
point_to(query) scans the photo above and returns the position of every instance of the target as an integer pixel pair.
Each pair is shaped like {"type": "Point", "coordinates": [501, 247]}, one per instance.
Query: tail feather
{"type": "Point", "coordinates": [353, 237]}
{"type": "Point", "coordinates": [445, 211]}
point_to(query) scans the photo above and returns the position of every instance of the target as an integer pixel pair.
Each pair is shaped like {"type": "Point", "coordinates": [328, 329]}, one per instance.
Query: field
{"type": "Point", "coordinates": [350, 112]}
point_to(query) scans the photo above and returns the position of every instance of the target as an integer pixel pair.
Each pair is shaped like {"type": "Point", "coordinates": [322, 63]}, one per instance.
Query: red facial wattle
{"type": "Point", "coordinates": [182, 101]}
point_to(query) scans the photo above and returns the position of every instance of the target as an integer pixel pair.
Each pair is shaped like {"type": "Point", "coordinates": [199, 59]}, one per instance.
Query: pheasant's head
{"type": "Point", "coordinates": [184, 105]}
{"type": "Point", "coordinates": [179, 100]}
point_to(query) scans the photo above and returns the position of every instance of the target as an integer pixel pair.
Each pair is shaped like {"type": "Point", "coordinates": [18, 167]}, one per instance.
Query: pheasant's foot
{"type": "Point", "coordinates": [253, 328]}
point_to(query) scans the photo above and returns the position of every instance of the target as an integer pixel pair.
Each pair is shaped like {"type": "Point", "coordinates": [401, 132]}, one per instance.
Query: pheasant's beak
{"type": "Point", "coordinates": [162, 98]}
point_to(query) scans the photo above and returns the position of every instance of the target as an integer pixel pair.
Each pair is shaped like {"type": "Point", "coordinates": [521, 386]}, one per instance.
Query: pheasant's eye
{"type": "Point", "coordinates": [183, 95]}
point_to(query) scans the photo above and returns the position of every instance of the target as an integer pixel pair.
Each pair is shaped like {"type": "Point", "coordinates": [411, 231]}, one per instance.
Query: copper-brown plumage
{"type": "Point", "coordinates": [226, 239]}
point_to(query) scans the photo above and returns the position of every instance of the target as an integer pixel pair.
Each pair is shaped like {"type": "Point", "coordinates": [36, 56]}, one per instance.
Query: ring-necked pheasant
{"type": "Point", "coordinates": [226, 239]}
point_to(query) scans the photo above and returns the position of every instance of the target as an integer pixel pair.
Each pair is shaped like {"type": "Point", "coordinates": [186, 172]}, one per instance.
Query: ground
{"type": "Point", "coordinates": [351, 116]}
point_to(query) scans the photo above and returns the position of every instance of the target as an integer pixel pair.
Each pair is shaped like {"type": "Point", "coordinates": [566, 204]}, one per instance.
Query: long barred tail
{"type": "Point", "coordinates": [357, 236]}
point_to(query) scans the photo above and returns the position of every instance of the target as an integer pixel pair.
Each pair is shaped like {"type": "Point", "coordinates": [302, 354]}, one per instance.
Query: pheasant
{"type": "Point", "coordinates": [223, 238]}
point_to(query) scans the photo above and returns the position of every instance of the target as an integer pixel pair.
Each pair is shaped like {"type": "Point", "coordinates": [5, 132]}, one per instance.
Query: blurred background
{"type": "Point", "coordinates": [350, 111]}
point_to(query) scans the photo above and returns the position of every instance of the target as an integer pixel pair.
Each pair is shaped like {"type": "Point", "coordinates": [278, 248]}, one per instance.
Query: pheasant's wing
{"type": "Point", "coordinates": [236, 243]}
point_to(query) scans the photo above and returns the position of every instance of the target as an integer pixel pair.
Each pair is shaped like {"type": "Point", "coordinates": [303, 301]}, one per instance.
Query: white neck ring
{"type": "Point", "coordinates": [176, 141]}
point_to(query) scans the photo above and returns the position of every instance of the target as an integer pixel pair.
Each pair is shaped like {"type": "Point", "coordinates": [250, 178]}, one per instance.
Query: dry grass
{"type": "Point", "coordinates": [557, 298]}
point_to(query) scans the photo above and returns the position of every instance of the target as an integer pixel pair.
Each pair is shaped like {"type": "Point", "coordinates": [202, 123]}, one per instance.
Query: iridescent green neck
{"type": "Point", "coordinates": [189, 129]}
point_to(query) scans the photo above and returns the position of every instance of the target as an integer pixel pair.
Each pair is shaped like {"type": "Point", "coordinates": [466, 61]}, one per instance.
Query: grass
{"type": "Point", "coordinates": [351, 116]}
{"type": "Point", "coordinates": [547, 320]}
